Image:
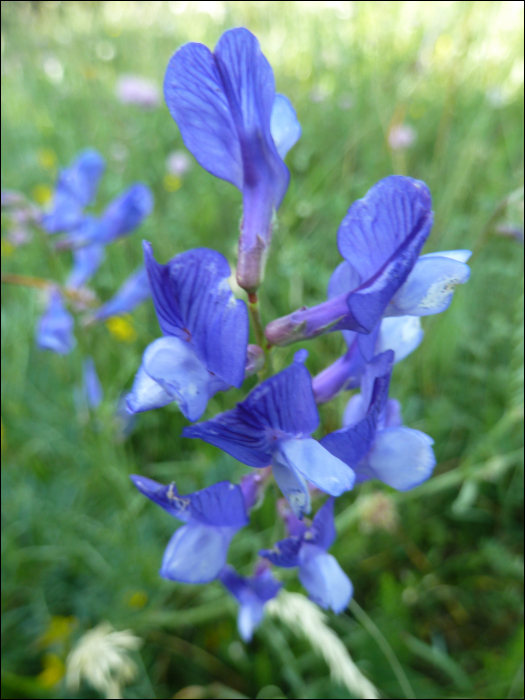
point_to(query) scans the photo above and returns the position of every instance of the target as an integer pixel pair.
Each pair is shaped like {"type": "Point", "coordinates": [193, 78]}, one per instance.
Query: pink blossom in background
{"type": "Point", "coordinates": [132, 89]}
{"type": "Point", "coordinates": [401, 136]}
{"type": "Point", "coordinates": [178, 163]}
{"type": "Point", "coordinates": [19, 236]}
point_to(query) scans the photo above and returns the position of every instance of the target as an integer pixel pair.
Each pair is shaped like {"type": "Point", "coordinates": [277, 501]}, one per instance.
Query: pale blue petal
{"type": "Point", "coordinates": [326, 583]}
{"type": "Point", "coordinates": [402, 334]}
{"type": "Point", "coordinates": [317, 465]}
{"type": "Point", "coordinates": [251, 613]}
{"type": "Point", "coordinates": [293, 486]}
{"type": "Point", "coordinates": [146, 394]}
{"type": "Point", "coordinates": [196, 553]}
{"type": "Point", "coordinates": [462, 256]}
{"type": "Point", "coordinates": [355, 411]}
{"type": "Point", "coordinates": [284, 125]}
{"type": "Point", "coordinates": [401, 457]}
{"type": "Point", "coordinates": [429, 287]}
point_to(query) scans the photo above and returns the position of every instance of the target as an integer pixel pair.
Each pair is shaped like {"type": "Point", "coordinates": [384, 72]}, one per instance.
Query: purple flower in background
{"type": "Point", "coordinates": [122, 216]}
{"type": "Point", "coordinates": [238, 129]}
{"type": "Point", "coordinates": [197, 551]}
{"type": "Point", "coordinates": [252, 593]}
{"type": "Point", "coordinates": [373, 442]}
{"type": "Point", "coordinates": [273, 426]}
{"type": "Point", "coordinates": [401, 137]}
{"type": "Point", "coordinates": [133, 292]}
{"type": "Point", "coordinates": [134, 90]}
{"type": "Point", "coordinates": [55, 328]}
{"type": "Point", "coordinates": [75, 189]}
{"type": "Point", "coordinates": [86, 262]}
{"type": "Point", "coordinates": [205, 334]}
{"type": "Point", "coordinates": [380, 239]}
{"type": "Point", "coordinates": [307, 547]}
{"type": "Point", "coordinates": [91, 384]}
{"type": "Point", "coordinates": [178, 163]}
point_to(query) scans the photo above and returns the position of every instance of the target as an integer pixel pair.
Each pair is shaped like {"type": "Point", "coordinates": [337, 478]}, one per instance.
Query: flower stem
{"type": "Point", "coordinates": [258, 329]}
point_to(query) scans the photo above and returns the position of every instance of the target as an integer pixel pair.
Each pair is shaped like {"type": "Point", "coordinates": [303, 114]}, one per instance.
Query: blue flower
{"type": "Point", "coordinates": [380, 239]}
{"type": "Point", "coordinates": [75, 189]}
{"type": "Point", "coordinates": [273, 426]}
{"type": "Point", "coordinates": [92, 387]}
{"type": "Point", "coordinates": [86, 262]}
{"type": "Point", "coordinates": [133, 292]}
{"type": "Point", "coordinates": [373, 442]}
{"type": "Point", "coordinates": [55, 328]}
{"type": "Point", "coordinates": [238, 129]}
{"type": "Point", "coordinates": [252, 593]}
{"type": "Point", "coordinates": [205, 334]}
{"type": "Point", "coordinates": [307, 547]}
{"type": "Point", "coordinates": [197, 551]}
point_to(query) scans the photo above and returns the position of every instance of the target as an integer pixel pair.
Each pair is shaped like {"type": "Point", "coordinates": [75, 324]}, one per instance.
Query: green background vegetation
{"type": "Point", "coordinates": [445, 587]}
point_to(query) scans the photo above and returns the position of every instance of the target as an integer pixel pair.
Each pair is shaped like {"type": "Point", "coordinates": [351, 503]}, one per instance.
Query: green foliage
{"type": "Point", "coordinates": [439, 596]}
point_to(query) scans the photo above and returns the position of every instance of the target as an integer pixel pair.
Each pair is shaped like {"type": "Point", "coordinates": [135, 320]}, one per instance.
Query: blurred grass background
{"type": "Point", "coordinates": [441, 591]}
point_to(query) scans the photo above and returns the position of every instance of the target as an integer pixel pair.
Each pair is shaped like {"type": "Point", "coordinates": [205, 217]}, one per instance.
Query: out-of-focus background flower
{"type": "Point", "coordinates": [433, 90]}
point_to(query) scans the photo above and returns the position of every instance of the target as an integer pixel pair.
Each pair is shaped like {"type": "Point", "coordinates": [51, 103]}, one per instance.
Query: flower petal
{"type": "Point", "coordinates": [316, 464]}
{"type": "Point", "coordinates": [221, 504]}
{"type": "Point", "coordinates": [400, 457]}
{"type": "Point", "coordinates": [146, 394]}
{"type": "Point", "coordinates": [133, 292]}
{"type": "Point", "coordinates": [284, 125]}
{"type": "Point", "coordinates": [326, 583]}
{"type": "Point", "coordinates": [292, 484]}
{"type": "Point", "coordinates": [345, 373]}
{"type": "Point", "coordinates": [284, 553]}
{"type": "Point", "coordinates": [322, 532]}
{"type": "Point", "coordinates": [55, 328]}
{"type": "Point", "coordinates": [393, 417]}
{"type": "Point", "coordinates": [462, 256]}
{"type": "Point", "coordinates": [125, 213]}
{"type": "Point", "coordinates": [92, 386]}
{"type": "Point", "coordinates": [429, 287]}
{"type": "Point", "coordinates": [166, 496]}
{"type": "Point", "coordinates": [402, 334]}
{"type": "Point", "coordinates": [250, 616]}
{"type": "Point", "coordinates": [196, 553]}
{"type": "Point", "coordinates": [174, 365]}
{"type": "Point", "coordinates": [86, 262]}
{"type": "Point", "coordinates": [193, 301]}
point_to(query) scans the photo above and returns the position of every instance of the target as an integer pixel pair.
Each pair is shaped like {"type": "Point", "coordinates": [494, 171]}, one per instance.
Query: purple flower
{"type": "Point", "coordinates": [307, 547]}
{"type": "Point", "coordinates": [133, 292]}
{"type": "Point", "coordinates": [86, 262]}
{"type": "Point", "coordinates": [92, 387]}
{"type": "Point", "coordinates": [273, 426]}
{"type": "Point", "coordinates": [205, 334]}
{"type": "Point", "coordinates": [132, 89]}
{"type": "Point", "coordinates": [238, 129]}
{"type": "Point", "coordinates": [373, 442]}
{"type": "Point", "coordinates": [401, 137]}
{"type": "Point", "coordinates": [75, 189]}
{"type": "Point", "coordinates": [122, 216]}
{"type": "Point", "coordinates": [252, 593]}
{"type": "Point", "coordinates": [380, 239]}
{"type": "Point", "coordinates": [197, 551]}
{"type": "Point", "coordinates": [55, 327]}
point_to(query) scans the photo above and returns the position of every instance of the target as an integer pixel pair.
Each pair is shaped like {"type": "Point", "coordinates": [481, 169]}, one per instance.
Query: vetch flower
{"type": "Point", "coordinates": [380, 239]}
{"type": "Point", "coordinates": [205, 334]}
{"type": "Point", "coordinates": [273, 426]}
{"type": "Point", "coordinates": [75, 189]}
{"type": "Point", "coordinates": [307, 547]}
{"type": "Point", "coordinates": [238, 129]}
{"type": "Point", "coordinates": [373, 441]}
{"type": "Point", "coordinates": [86, 262]}
{"type": "Point", "coordinates": [252, 593]}
{"type": "Point", "coordinates": [197, 551]}
{"type": "Point", "coordinates": [91, 384]}
{"type": "Point", "coordinates": [55, 327]}
{"type": "Point", "coordinates": [133, 292]}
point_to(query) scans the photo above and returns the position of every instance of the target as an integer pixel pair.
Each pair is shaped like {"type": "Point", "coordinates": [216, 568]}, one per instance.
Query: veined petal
{"type": "Point", "coordinates": [326, 583]}
{"type": "Point", "coordinates": [316, 464]}
{"type": "Point", "coordinates": [292, 484]}
{"type": "Point", "coordinates": [429, 287]}
{"type": "Point", "coordinates": [284, 553]}
{"type": "Point", "coordinates": [344, 279]}
{"type": "Point", "coordinates": [400, 457]}
{"type": "Point", "coordinates": [146, 394]}
{"type": "Point", "coordinates": [86, 262]}
{"type": "Point", "coordinates": [133, 292]}
{"type": "Point", "coordinates": [92, 386]}
{"type": "Point", "coordinates": [322, 532]}
{"type": "Point", "coordinates": [196, 553]}
{"type": "Point", "coordinates": [402, 334]}
{"type": "Point", "coordinates": [284, 125]}
{"type": "Point", "coordinates": [55, 328]}
{"type": "Point", "coordinates": [220, 505]}
{"type": "Point", "coordinates": [193, 301]}
{"type": "Point", "coordinates": [376, 381]}
{"type": "Point", "coordinates": [125, 213]}
{"type": "Point", "coordinates": [166, 496]}
{"type": "Point", "coordinates": [174, 365]}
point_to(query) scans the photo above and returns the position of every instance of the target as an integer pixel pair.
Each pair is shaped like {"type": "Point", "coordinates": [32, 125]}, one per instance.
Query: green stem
{"type": "Point", "coordinates": [258, 329]}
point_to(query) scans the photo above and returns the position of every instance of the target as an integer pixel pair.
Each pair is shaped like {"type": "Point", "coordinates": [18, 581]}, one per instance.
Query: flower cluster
{"type": "Point", "coordinates": [239, 129]}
